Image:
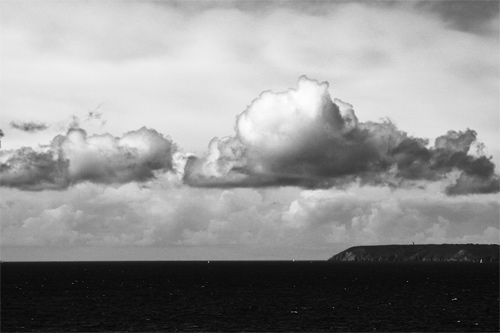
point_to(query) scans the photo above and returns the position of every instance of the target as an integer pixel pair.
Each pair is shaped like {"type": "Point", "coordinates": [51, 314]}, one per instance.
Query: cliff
{"type": "Point", "coordinates": [426, 252]}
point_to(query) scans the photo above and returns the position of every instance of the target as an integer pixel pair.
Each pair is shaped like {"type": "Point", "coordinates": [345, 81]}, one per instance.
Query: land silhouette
{"type": "Point", "coordinates": [421, 252]}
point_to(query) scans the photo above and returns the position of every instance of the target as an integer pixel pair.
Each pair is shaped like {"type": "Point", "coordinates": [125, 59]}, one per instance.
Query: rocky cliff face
{"type": "Point", "coordinates": [427, 252]}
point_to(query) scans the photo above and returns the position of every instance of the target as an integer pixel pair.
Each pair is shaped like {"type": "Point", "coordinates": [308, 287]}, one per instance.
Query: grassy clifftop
{"type": "Point", "coordinates": [423, 252]}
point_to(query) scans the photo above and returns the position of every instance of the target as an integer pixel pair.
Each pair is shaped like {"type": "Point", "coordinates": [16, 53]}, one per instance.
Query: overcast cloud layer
{"type": "Point", "coordinates": [166, 216]}
{"type": "Point", "coordinates": [187, 70]}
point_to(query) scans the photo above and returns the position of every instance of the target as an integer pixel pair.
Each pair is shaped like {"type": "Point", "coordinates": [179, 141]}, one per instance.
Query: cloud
{"type": "Point", "coordinates": [301, 137]}
{"type": "Point", "coordinates": [29, 127]}
{"type": "Point", "coordinates": [383, 216]}
{"type": "Point", "coordinates": [394, 60]}
{"type": "Point", "coordinates": [132, 214]}
{"type": "Point", "coordinates": [57, 58]}
{"type": "Point", "coordinates": [76, 157]}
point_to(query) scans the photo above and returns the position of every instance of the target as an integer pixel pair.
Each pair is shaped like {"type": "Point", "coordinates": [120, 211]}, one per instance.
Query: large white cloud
{"type": "Point", "coordinates": [301, 137]}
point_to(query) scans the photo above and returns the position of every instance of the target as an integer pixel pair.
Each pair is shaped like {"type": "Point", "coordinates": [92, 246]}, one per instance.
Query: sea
{"type": "Point", "coordinates": [249, 296]}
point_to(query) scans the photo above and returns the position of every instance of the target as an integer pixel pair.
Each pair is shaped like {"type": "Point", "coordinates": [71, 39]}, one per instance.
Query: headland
{"type": "Point", "coordinates": [421, 252]}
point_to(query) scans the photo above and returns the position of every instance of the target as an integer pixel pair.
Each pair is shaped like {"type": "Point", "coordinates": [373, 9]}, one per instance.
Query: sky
{"type": "Point", "coordinates": [246, 130]}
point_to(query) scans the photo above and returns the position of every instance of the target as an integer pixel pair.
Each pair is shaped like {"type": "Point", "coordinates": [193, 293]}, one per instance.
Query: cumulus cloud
{"type": "Point", "coordinates": [132, 214]}
{"type": "Point", "coordinates": [357, 216]}
{"type": "Point", "coordinates": [302, 137]}
{"type": "Point", "coordinates": [29, 127]}
{"type": "Point", "coordinates": [77, 157]}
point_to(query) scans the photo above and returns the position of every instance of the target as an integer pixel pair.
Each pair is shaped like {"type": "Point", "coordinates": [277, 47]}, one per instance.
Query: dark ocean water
{"type": "Point", "coordinates": [249, 296]}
